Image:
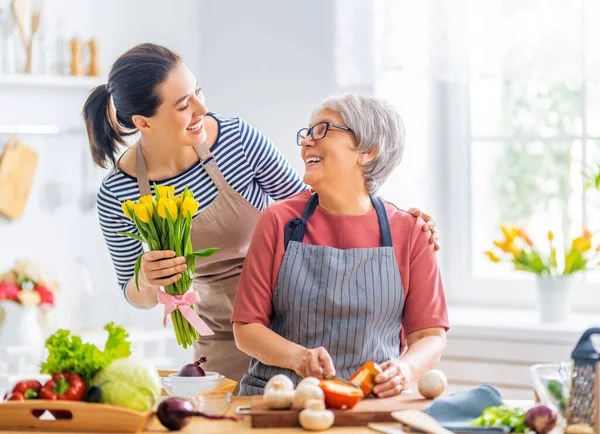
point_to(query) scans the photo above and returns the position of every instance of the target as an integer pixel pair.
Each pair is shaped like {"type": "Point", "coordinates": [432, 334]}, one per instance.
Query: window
{"type": "Point", "coordinates": [528, 143]}
{"type": "Point", "coordinates": [518, 88]}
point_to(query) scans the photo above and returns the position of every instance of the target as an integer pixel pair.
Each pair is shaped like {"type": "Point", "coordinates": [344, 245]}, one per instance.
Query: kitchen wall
{"type": "Point", "coordinates": [59, 228]}
{"type": "Point", "coordinates": [266, 61]}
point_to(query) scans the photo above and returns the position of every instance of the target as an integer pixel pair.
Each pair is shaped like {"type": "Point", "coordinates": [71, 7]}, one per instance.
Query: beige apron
{"type": "Point", "coordinates": [227, 223]}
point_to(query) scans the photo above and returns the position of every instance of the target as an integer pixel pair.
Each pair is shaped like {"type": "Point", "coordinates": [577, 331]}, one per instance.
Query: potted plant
{"type": "Point", "coordinates": [25, 292]}
{"type": "Point", "coordinates": [554, 272]}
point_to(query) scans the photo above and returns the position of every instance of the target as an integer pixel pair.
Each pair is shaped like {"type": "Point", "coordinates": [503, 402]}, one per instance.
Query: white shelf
{"type": "Point", "coordinates": [50, 81]}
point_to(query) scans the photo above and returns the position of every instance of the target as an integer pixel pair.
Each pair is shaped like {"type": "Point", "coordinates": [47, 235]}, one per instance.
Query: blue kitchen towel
{"type": "Point", "coordinates": [457, 411]}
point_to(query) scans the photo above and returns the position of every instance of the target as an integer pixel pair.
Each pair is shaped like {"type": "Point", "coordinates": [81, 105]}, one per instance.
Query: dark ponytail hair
{"type": "Point", "coordinates": [133, 85]}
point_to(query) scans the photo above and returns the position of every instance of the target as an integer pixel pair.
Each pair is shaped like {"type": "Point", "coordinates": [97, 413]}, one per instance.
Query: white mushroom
{"type": "Point", "coordinates": [278, 397]}
{"type": "Point", "coordinates": [432, 384]}
{"type": "Point", "coordinates": [315, 417]}
{"type": "Point", "coordinates": [309, 380]}
{"type": "Point", "coordinates": [305, 392]}
{"type": "Point", "coordinates": [282, 380]}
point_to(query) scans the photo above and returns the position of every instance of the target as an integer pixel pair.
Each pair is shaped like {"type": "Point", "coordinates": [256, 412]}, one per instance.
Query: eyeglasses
{"type": "Point", "coordinates": [318, 131]}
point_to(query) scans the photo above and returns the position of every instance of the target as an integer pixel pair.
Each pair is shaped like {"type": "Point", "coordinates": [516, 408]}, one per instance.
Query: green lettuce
{"type": "Point", "coordinates": [67, 353]}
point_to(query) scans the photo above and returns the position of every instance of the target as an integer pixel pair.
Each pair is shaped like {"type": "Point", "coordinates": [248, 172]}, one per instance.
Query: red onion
{"type": "Point", "coordinates": [176, 413]}
{"type": "Point", "coordinates": [541, 418]}
{"type": "Point", "coordinates": [193, 369]}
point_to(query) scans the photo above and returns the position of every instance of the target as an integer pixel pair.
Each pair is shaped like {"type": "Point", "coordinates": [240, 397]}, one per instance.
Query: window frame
{"type": "Point", "coordinates": [462, 287]}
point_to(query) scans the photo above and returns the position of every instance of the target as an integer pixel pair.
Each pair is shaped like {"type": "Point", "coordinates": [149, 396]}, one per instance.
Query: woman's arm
{"type": "Point", "coordinates": [425, 318]}
{"type": "Point", "coordinates": [425, 348]}
{"type": "Point", "coordinates": [123, 251]}
{"type": "Point", "coordinates": [158, 268]}
{"type": "Point", "coordinates": [272, 170]}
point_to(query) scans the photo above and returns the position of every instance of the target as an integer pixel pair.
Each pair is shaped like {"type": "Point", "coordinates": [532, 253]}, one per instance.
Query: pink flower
{"type": "Point", "coordinates": [46, 296]}
{"type": "Point", "coordinates": [9, 291]}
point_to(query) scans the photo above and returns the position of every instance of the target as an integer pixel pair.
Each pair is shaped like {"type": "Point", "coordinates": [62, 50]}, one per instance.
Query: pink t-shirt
{"type": "Point", "coordinates": [425, 304]}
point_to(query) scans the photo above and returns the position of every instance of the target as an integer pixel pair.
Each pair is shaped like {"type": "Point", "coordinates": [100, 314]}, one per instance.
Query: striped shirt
{"type": "Point", "coordinates": [249, 161]}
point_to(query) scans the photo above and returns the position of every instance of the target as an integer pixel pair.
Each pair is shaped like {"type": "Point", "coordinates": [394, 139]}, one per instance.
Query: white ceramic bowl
{"type": "Point", "coordinates": [185, 387]}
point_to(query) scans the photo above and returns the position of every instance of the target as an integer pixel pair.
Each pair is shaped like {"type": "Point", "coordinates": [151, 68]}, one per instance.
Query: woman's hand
{"type": "Point", "coordinates": [161, 267]}
{"type": "Point", "coordinates": [314, 362]}
{"type": "Point", "coordinates": [428, 226]}
{"type": "Point", "coordinates": [396, 377]}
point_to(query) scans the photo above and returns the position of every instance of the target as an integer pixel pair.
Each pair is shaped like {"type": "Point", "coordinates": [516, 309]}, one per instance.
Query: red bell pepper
{"type": "Point", "coordinates": [340, 395]}
{"type": "Point", "coordinates": [15, 396]}
{"type": "Point", "coordinates": [29, 388]}
{"type": "Point", "coordinates": [64, 386]}
{"type": "Point", "coordinates": [365, 377]}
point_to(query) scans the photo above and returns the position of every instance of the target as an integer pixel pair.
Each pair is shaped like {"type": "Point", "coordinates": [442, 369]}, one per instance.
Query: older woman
{"type": "Point", "coordinates": [334, 275]}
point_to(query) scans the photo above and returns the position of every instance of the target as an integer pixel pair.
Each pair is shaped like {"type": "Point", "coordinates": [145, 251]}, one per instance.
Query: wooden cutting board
{"type": "Point", "coordinates": [366, 411]}
{"type": "Point", "coordinates": [17, 168]}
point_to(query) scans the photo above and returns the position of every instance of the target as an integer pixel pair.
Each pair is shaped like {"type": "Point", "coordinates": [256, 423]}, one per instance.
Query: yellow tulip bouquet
{"type": "Point", "coordinates": [164, 223]}
{"type": "Point", "coordinates": [518, 248]}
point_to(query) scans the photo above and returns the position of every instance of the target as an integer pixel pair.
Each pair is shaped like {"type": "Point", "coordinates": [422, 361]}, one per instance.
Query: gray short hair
{"type": "Point", "coordinates": [377, 126]}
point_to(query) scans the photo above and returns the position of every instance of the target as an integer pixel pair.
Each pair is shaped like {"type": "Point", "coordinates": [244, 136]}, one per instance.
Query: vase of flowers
{"type": "Point", "coordinates": [554, 271]}
{"type": "Point", "coordinates": [25, 294]}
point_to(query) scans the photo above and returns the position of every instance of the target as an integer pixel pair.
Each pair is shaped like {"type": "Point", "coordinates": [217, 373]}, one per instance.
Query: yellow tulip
{"type": "Point", "coordinates": [527, 240]}
{"type": "Point", "coordinates": [166, 191]}
{"type": "Point", "coordinates": [178, 202]}
{"type": "Point", "coordinates": [141, 212]}
{"type": "Point", "coordinates": [167, 206]}
{"type": "Point", "coordinates": [185, 194]}
{"type": "Point", "coordinates": [125, 206]}
{"type": "Point", "coordinates": [189, 206]}
{"type": "Point", "coordinates": [510, 232]}
{"type": "Point", "coordinates": [492, 257]}
{"type": "Point", "coordinates": [550, 236]}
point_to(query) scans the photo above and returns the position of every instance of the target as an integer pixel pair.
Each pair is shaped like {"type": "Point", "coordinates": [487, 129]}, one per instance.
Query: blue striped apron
{"type": "Point", "coordinates": [348, 301]}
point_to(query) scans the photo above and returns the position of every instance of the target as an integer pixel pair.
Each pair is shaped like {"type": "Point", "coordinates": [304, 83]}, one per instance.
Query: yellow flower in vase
{"type": "Point", "coordinates": [491, 256]}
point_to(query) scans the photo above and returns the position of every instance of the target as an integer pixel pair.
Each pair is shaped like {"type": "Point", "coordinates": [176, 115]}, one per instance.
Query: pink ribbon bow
{"type": "Point", "coordinates": [182, 303]}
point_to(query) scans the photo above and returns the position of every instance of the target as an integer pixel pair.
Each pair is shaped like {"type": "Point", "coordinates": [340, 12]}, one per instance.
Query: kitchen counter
{"type": "Point", "coordinates": [205, 426]}
{"type": "Point", "coordinates": [243, 426]}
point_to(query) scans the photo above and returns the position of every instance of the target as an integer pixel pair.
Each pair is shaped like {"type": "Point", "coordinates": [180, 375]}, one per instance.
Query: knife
{"type": "Point", "coordinates": [340, 379]}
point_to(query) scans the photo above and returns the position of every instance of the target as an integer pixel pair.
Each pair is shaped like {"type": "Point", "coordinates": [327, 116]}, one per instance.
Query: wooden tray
{"type": "Point", "coordinates": [84, 417]}
{"type": "Point", "coordinates": [366, 411]}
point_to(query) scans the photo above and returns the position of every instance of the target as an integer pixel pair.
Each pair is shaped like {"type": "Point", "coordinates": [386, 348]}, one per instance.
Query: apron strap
{"type": "Point", "coordinates": [384, 223]}
{"type": "Point", "coordinates": [211, 167]}
{"type": "Point", "coordinates": [203, 152]}
{"type": "Point", "coordinates": [296, 228]}
{"type": "Point", "coordinates": [140, 171]}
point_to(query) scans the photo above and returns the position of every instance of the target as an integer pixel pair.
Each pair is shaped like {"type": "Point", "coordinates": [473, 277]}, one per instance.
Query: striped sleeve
{"type": "Point", "coordinates": [124, 251]}
{"type": "Point", "coordinates": [272, 170]}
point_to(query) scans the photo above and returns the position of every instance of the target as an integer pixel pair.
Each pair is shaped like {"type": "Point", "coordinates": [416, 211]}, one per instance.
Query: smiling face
{"type": "Point", "coordinates": [332, 160]}
{"type": "Point", "coordinates": [180, 117]}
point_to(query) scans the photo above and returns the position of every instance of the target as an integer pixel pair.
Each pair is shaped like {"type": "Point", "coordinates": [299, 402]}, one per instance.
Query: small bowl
{"type": "Point", "coordinates": [185, 387]}
{"type": "Point", "coordinates": [214, 404]}
{"type": "Point", "coordinates": [208, 374]}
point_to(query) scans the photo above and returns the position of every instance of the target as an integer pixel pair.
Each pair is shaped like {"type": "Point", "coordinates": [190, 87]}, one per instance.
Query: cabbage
{"type": "Point", "coordinates": [129, 384]}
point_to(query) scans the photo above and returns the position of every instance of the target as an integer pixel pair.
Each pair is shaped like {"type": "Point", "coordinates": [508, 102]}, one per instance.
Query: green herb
{"type": "Point", "coordinates": [67, 353]}
{"type": "Point", "coordinates": [503, 416]}
{"type": "Point", "coordinates": [555, 388]}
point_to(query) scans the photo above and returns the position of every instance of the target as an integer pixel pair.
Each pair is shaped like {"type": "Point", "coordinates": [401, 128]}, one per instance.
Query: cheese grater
{"type": "Point", "coordinates": [583, 412]}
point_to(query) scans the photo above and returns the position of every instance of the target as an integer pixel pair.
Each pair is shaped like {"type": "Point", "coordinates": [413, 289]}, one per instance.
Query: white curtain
{"type": "Point", "coordinates": [468, 40]}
